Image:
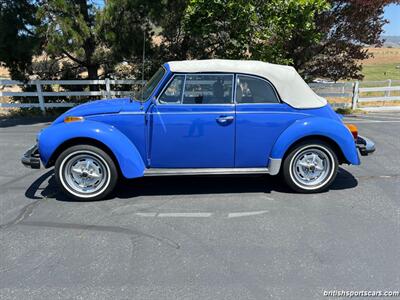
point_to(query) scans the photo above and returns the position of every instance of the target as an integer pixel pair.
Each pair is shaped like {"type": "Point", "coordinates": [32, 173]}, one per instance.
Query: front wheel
{"type": "Point", "coordinates": [310, 167]}
{"type": "Point", "coordinates": [85, 172]}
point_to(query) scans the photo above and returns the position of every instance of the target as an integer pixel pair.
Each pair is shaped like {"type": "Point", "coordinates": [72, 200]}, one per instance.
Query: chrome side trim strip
{"type": "Point", "coordinates": [129, 113]}
{"type": "Point", "coordinates": [274, 165]}
{"type": "Point", "coordinates": [193, 113]}
{"type": "Point", "coordinates": [203, 171]}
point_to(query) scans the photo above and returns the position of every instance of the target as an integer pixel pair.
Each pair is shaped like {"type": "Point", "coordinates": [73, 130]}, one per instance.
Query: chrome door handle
{"type": "Point", "coordinates": [225, 119]}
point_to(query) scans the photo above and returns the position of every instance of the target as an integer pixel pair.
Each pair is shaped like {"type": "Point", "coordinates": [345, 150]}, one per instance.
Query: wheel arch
{"type": "Point", "coordinates": [82, 141]}
{"type": "Point", "coordinates": [58, 137]}
{"type": "Point", "coordinates": [332, 143]}
{"type": "Point", "coordinates": [332, 132]}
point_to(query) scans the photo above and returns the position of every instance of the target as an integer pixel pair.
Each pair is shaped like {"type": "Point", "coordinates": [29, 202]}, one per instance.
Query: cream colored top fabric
{"type": "Point", "coordinates": [290, 86]}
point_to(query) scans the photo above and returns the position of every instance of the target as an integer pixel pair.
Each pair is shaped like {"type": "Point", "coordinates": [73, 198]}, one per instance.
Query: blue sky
{"type": "Point", "coordinates": [392, 13]}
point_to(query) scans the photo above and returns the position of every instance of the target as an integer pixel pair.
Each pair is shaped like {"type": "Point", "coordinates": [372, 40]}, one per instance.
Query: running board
{"type": "Point", "coordinates": [203, 171]}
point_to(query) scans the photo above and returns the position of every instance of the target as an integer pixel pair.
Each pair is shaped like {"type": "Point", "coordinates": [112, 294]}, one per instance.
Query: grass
{"type": "Point", "coordinates": [382, 65]}
{"type": "Point", "coordinates": [380, 72]}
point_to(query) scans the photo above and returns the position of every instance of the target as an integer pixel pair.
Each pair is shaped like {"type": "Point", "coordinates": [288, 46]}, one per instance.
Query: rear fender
{"type": "Point", "coordinates": [126, 153]}
{"type": "Point", "coordinates": [317, 126]}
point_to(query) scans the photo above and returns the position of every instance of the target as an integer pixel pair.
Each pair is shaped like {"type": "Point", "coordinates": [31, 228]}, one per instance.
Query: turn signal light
{"type": "Point", "coordinates": [72, 119]}
{"type": "Point", "coordinates": [353, 129]}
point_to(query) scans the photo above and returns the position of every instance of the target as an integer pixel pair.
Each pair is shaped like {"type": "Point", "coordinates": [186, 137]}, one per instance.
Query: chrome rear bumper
{"type": "Point", "coordinates": [31, 158]}
{"type": "Point", "coordinates": [365, 146]}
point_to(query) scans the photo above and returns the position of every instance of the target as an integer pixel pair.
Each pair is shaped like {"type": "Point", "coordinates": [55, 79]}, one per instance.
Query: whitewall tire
{"type": "Point", "coordinates": [85, 172]}
{"type": "Point", "coordinates": [310, 167]}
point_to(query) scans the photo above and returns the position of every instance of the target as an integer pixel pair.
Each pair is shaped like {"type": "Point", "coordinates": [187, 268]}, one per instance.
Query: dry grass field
{"type": "Point", "coordinates": [383, 56]}
{"type": "Point", "coordinates": [385, 64]}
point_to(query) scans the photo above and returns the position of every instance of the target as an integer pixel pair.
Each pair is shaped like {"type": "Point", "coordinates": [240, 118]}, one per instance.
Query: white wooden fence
{"type": "Point", "coordinates": [105, 91]}
{"type": "Point", "coordinates": [358, 92]}
{"type": "Point", "coordinates": [391, 92]}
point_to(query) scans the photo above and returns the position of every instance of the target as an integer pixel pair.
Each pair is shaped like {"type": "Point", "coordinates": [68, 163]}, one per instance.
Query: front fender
{"type": "Point", "coordinates": [317, 126]}
{"type": "Point", "coordinates": [126, 153]}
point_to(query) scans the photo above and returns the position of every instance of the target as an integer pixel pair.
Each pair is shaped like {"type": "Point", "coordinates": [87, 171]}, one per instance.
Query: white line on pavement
{"type": "Point", "coordinates": [199, 214]}
{"type": "Point", "coordinates": [185, 215]}
{"type": "Point", "coordinates": [246, 213]}
{"type": "Point", "coordinates": [367, 117]}
{"type": "Point", "coordinates": [145, 214]}
{"type": "Point", "coordinates": [385, 114]}
{"type": "Point", "coordinates": [371, 121]}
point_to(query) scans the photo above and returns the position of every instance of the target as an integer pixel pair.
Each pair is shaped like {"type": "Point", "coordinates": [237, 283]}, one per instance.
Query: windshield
{"type": "Point", "coordinates": [150, 85]}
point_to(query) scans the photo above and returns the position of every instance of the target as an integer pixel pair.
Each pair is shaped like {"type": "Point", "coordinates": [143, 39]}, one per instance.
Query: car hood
{"type": "Point", "coordinates": [109, 106]}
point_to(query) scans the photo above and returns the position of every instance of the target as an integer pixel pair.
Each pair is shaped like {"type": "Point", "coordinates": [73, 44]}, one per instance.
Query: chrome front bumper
{"type": "Point", "coordinates": [31, 158]}
{"type": "Point", "coordinates": [365, 146]}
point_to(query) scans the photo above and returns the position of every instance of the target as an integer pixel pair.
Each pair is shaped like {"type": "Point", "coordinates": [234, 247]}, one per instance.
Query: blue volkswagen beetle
{"type": "Point", "coordinates": [201, 117]}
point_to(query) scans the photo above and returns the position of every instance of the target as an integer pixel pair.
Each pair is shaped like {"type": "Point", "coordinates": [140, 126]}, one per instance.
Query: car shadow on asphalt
{"type": "Point", "coordinates": [185, 185]}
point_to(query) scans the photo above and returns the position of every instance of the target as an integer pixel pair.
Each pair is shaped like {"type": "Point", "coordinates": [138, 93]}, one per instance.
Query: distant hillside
{"type": "Point", "coordinates": [391, 41]}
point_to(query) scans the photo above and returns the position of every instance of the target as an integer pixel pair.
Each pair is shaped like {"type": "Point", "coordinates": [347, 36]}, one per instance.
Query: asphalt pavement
{"type": "Point", "coordinates": [220, 237]}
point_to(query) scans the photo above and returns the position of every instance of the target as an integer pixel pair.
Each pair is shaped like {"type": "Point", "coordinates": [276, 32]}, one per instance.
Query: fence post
{"type": "Point", "coordinates": [108, 88]}
{"type": "Point", "coordinates": [387, 94]}
{"type": "Point", "coordinates": [40, 97]}
{"type": "Point", "coordinates": [354, 100]}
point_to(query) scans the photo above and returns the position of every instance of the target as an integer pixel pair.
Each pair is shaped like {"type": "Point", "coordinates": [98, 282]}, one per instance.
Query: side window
{"type": "Point", "coordinates": [208, 89]}
{"type": "Point", "coordinates": [173, 93]}
{"type": "Point", "coordinates": [254, 90]}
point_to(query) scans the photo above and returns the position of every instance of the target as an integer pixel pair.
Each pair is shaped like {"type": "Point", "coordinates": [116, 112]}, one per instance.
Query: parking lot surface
{"type": "Point", "coordinates": [225, 237]}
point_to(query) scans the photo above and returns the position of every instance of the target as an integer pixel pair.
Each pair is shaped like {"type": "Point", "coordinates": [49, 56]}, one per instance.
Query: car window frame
{"type": "Point", "coordinates": [233, 100]}
{"type": "Point", "coordinates": [260, 78]}
{"type": "Point", "coordinates": [167, 85]}
{"type": "Point", "coordinates": [157, 87]}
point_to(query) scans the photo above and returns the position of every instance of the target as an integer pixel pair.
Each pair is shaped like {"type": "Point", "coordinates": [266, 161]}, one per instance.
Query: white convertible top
{"type": "Point", "coordinates": [290, 86]}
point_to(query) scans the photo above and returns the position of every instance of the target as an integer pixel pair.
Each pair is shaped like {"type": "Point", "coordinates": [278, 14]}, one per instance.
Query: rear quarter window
{"type": "Point", "coordinates": [251, 89]}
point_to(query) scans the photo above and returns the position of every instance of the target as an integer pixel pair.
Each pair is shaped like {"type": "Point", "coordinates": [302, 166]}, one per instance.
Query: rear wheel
{"type": "Point", "coordinates": [85, 172]}
{"type": "Point", "coordinates": [310, 167]}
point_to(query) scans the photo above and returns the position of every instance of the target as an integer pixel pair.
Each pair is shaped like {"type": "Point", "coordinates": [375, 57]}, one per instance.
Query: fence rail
{"type": "Point", "coordinates": [358, 92]}
{"type": "Point", "coordinates": [333, 90]}
{"type": "Point", "coordinates": [40, 93]}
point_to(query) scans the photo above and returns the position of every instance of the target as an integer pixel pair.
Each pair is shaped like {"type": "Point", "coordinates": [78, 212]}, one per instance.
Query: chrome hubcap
{"type": "Point", "coordinates": [85, 173]}
{"type": "Point", "coordinates": [311, 167]}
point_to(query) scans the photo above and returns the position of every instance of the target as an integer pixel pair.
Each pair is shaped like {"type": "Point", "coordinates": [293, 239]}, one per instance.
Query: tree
{"type": "Point", "coordinates": [221, 28]}
{"type": "Point", "coordinates": [347, 27]}
{"type": "Point", "coordinates": [18, 39]}
{"type": "Point", "coordinates": [174, 41]}
{"type": "Point", "coordinates": [287, 30]}
{"type": "Point", "coordinates": [125, 28]}
{"type": "Point", "coordinates": [92, 37]}
{"type": "Point", "coordinates": [69, 29]}
{"type": "Point", "coordinates": [252, 29]}
{"type": "Point", "coordinates": [320, 38]}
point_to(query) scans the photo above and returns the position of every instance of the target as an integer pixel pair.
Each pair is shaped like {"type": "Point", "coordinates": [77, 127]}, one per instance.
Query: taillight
{"type": "Point", "coordinates": [353, 129]}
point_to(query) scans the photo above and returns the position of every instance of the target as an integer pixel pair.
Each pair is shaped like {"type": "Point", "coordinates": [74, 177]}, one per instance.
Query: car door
{"type": "Point", "coordinates": [260, 118]}
{"type": "Point", "coordinates": [192, 124]}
